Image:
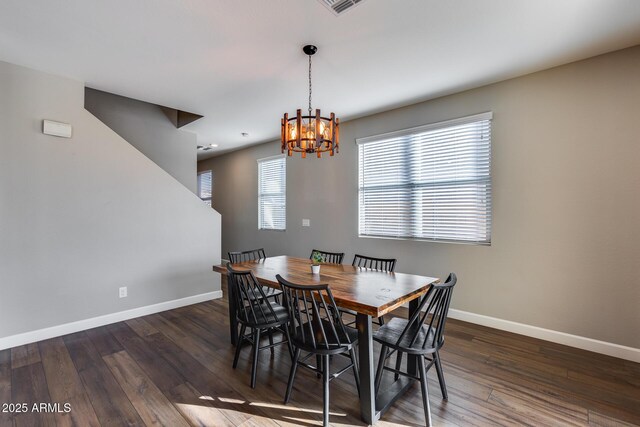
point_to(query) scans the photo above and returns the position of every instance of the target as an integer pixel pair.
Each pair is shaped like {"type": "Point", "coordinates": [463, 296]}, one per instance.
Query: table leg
{"type": "Point", "coordinates": [412, 360]}
{"type": "Point", "coordinates": [233, 321]}
{"type": "Point", "coordinates": [365, 349]}
{"type": "Point", "coordinates": [390, 391]}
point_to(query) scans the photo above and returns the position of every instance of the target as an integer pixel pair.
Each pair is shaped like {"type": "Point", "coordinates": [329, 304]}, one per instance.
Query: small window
{"type": "Point", "coordinates": [272, 193]}
{"type": "Point", "coordinates": [205, 186]}
{"type": "Point", "coordinates": [428, 183]}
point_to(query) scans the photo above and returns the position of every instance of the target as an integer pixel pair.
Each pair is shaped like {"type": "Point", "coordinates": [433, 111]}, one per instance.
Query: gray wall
{"type": "Point", "coordinates": [146, 127]}
{"type": "Point", "coordinates": [81, 217]}
{"type": "Point", "coordinates": [566, 174]}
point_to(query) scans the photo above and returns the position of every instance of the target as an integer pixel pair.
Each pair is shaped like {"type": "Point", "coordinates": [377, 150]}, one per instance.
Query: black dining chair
{"type": "Point", "coordinates": [256, 312]}
{"type": "Point", "coordinates": [421, 337]}
{"type": "Point", "coordinates": [329, 257]}
{"type": "Point", "coordinates": [386, 265]}
{"type": "Point", "coordinates": [316, 330]}
{"type": "Point", "coordinates": [272, 293]}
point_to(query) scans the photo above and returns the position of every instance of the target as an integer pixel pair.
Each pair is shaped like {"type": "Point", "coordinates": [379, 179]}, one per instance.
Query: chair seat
{"type": "Point", "coordinates": [263, 316]}
{"type": "Point", "coordinates": [332, 346]}
{"type": "Point", "coordinates": [389, 333]}
{"type": "Point", "coordinates": [268, 291]}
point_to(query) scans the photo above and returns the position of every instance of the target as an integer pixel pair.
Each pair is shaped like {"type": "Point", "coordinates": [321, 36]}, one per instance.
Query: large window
{"type": "Point", "coordinates": [205, 185]}
{"type": "Point", "coordinates": [428, 183]}
{"type": "Point", "coordinates": [272, 193]}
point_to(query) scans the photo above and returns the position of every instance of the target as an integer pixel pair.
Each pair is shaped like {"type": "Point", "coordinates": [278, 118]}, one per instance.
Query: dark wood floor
{"type": "Point", "coordinates": [174, 369]}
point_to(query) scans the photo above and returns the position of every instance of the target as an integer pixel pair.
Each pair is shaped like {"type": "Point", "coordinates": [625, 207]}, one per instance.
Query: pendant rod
{"type": "Point", "coordinates": [309, 84]}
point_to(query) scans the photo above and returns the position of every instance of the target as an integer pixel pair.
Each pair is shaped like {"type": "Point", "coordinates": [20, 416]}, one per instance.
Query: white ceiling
{"type": "Point", "coordinates": [239, 62]}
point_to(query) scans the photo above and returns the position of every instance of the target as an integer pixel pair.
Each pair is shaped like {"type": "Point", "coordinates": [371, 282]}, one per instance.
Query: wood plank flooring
{"type": "Point", "coordinates": [174, 369]}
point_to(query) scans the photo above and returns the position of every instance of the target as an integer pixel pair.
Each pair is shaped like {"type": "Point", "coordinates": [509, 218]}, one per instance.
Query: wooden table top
{"type": "Point", "coordinates": [363, 290]}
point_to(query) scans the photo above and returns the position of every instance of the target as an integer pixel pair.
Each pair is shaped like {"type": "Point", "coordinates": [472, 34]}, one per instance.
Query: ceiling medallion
{"type": "Point", "coordinates": [311, 133]}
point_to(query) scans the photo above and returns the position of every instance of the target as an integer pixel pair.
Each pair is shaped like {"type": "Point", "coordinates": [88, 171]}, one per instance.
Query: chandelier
{"type": "Point", "coordinates": [310, 133]}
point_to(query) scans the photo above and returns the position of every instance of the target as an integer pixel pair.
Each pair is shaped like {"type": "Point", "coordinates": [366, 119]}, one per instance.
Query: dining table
{"type": "Point", "coordinates": [369, 293]}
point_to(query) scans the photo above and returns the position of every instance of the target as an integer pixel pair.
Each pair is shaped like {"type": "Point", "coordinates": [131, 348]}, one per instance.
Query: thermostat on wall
{"type": "Point", "coordinates": [50, 127]}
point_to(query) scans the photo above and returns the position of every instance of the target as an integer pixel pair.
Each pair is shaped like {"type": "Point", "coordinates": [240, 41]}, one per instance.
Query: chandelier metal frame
{"type": "Point", "coordinates": [310, 133]}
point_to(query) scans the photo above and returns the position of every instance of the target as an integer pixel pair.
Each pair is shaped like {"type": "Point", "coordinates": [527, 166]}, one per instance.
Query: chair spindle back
{"type": "Point", "coordinates": [329, 257]}
{"type": "Point", "coordinates": [436, 301]}
{"type": "Point", "coordinates": [381, 264]}
{"type": "Point", "coordinates": [313, 314]}
{"type": "Point", "coordinates": [250, 255]}
{"type": "Point", "coordinates": [249, 297]}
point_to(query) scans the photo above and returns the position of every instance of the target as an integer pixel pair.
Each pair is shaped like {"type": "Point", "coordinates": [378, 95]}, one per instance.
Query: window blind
{"type": "Point", "coordinates": [428, 183]}
{"type": "Point", "coordinates": [272, 198]}
{"type": "Point", "coordinates": [205, 185]}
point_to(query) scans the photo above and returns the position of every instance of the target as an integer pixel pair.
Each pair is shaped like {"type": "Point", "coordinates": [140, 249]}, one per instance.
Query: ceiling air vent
{"type": "Point", "coordinates": [340, 6]}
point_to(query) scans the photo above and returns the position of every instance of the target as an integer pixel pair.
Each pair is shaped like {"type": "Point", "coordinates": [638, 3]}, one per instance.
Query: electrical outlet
{"type": "Point", "coordinates": [306, 223]}
{"type": "Point", "coordinates": [123, 292]}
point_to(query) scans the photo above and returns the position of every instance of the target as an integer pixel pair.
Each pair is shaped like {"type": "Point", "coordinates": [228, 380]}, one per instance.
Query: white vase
{"type": "Point", "coordinates": [315, 269]}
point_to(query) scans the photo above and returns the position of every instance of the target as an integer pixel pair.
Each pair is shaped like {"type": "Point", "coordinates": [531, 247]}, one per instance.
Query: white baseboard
{"type": "Point", "coordinates": [603, 347]}
{"type": "Point", "coordinates": [94, 322]}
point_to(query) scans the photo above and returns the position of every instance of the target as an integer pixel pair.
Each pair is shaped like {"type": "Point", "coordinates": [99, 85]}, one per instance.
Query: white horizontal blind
{"type": "Point", "coordinates": [272, 193]}
{"type": "Point", "coordinates": [428, 183]}
{"type": "Point", "coordinates": [205, 186]}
